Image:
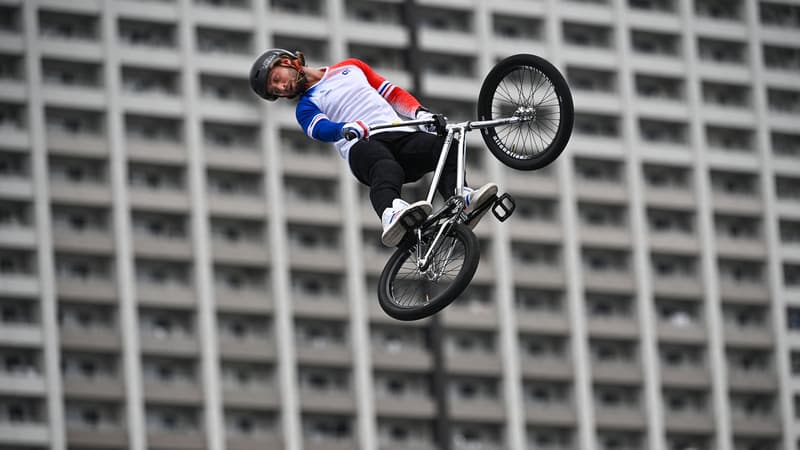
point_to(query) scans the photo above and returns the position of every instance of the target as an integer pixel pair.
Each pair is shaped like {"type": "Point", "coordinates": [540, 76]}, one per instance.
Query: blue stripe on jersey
{"type": "Point", "coordinates": [315, 123]}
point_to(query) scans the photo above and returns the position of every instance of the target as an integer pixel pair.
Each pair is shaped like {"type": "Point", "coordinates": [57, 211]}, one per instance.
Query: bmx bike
{"type": "Point", "coordinates": [525, 116]}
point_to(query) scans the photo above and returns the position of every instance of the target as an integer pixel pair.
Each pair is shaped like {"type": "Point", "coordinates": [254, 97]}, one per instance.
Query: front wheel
{"type": "Point", "coordinates": [406, 292]}
{"type": "Point", "coordinates": [528, 87]}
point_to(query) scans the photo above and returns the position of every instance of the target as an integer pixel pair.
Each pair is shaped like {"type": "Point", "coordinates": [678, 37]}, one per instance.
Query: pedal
{"type": "Point", "coordinates": [503, 207]}
{"type": "Point", "coordinates": [413, 219]}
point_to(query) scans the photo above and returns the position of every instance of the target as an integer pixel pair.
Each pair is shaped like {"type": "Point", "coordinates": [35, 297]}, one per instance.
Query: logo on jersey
{"type": "Point", "coordinates": [345, 71]}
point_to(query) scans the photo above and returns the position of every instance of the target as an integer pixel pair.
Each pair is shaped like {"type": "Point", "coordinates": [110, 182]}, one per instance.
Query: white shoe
{"type": "Point", "coordinates": [401, 217]}
{"type": "Point", "coordinates": [474, 198]}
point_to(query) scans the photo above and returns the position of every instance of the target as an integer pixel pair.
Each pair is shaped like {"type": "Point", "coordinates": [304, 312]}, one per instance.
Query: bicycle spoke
{"type": "Point", "coordinates": [412, 288]}
{"type": "Point", "coordinates": [527, 88]}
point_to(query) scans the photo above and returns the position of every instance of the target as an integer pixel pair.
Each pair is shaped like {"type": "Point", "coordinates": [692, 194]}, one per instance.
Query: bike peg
{"type": "Point", "coordinates": [503, 207]}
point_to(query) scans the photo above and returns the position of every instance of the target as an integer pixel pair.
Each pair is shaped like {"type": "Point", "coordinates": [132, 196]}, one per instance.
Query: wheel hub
{"type": "Point", "coordinates": [525, 113]}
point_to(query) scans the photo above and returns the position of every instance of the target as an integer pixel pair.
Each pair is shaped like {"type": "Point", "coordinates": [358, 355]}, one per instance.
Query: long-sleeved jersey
{"type": "Point", "coordinates": [348, 91]}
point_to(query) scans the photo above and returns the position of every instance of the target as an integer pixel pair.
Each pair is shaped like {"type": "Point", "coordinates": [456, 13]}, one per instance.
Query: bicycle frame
{"type": "Point", "coordinates": [458, 132]}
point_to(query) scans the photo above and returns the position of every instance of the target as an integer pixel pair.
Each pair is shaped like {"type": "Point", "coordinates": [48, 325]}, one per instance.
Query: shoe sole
{"type": "Point", "coordinates": [486, 196]}
{"type": "Point", "coordinates": [409, 218]}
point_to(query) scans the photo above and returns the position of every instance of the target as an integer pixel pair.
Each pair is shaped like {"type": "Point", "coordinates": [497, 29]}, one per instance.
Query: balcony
{"type": "Point", "coordinates": [690, 422]}
{"type": "Point", "coordinates": [165, 294]}
{"type": "Point", "coordinates": [481, 409]}
{"type": "Point", "coordinates": [189, 439]}
{"type": "Point", "coordinates": [29, 384]}
{"type": "Point", "coordinates": [249, 300]}
{"type": "Point", "coordinates": [112, 438]}
{"type": "Point", "coordinates": [155, 151]}
{"type": "Point", "coordinates": [406, 359]}
{"type": "Point", "coordinates": [90, 242]}
{"type": "Point", "coordinates": [328, 401]}
{"type": "Point", "coordinates": [753, 380]}
{"type": "Point", "coordinates": [406, 406]}
{"type": "Point", "coordinates": [176, 393]}
{"type": "Point", "coordinates": [690, 333]}
{"type": "Point", "coordinates": [476, 364]}
{"type": "Point", "coordinates": [616, 327]}
{"type": "Point", "coordinates": [180, 345]}
{"type": "Point", "coordinates": [94, 388]}
{"type": "Point", "coordinates": [94, 289]}
{"type": "Point", "coordinates": [552, 414]}
{"type": "Point", "coordinates": [25, 434]}
{"type": "Point", "coordinates": [105, 339]}
{"type": "Point", "coordinates": [542, 321]}
{"type": "Point", "coordinates": [89, 194]}
{"type": "Point", "coordinates": [265, 396]}
{"type": "Point", "coordinates": [613, 417]}
{"type": "Point", "coordinates": [328, 307]}
{"type": "Point", "coordinates": [162, 248]}
{"type": "Point", "coordinates": [548, 367]}
{"type": "Point", "coordinates": [159, 200]}
{"type": "Point", "coordinates": [249, 349]}
{"type": "Point", "coordinates": [240, 206]}
{"type": "Point", "coordinates": [685, 376]}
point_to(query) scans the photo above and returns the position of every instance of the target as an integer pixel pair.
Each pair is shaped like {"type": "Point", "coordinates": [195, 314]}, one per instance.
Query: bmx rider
{"type": "Point", "coordinates": [349, 96]}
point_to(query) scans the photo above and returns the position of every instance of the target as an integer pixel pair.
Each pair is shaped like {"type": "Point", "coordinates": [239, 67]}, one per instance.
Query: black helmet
{"type": "Point", "coordinates": [259, 73]}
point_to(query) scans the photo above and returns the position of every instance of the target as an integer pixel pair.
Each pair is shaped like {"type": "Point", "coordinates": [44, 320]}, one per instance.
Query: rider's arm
{"type": "Point", "coordinates": [400, 99]}
{"type": "Point", "coordinates": [316, 124]}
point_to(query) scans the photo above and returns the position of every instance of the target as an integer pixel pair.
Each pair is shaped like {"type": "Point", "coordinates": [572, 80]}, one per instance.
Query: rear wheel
{"type": "Point", "coordinates": [526, 86]}
{"type": "Point", "coordinates": [407, 293]}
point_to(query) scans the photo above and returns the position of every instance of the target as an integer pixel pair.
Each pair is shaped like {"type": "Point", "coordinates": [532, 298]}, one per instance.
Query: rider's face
{"type": "Point", "coordinates": [282, 81]}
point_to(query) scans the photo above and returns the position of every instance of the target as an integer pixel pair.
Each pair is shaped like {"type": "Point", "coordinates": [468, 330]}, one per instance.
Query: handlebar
{"type": "Point", "coordinates": [438, 120]}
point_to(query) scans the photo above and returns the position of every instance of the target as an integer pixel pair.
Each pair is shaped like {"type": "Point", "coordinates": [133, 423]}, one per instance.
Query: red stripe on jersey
{"type": "Point", "coordinates": [400, 99]}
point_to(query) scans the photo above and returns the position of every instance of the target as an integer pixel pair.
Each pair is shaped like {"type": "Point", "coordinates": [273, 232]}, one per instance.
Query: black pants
{"type": "Point", "coordinates": [388, 160]}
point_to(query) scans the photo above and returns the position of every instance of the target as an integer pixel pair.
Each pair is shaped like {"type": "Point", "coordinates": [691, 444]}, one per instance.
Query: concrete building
{"type": "Point", "coordinates": [181, 268]}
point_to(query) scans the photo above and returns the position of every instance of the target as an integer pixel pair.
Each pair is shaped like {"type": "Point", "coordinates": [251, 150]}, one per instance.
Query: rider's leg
{"type": "Point", "coordinates": [374, 165]}
{"type": "Point", "coordinates": [419, 153]}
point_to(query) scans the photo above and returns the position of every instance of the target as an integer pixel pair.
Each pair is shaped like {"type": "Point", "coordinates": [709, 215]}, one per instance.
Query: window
{"type": "Point", "coordinates": [305, 7]}
{"type": "Point", "coordinates": [156, 177]}
{"type": "Point", "coordinates": [536, 254]}
{"type": "Point", "coordinates": [147, 34]}
{"type": "Point", "coordinates": [787, 188]}
{"type": "Point", "coordinates": [449, 19]}
{"type": "Point", "coordinates": [674, 266]}
{"type": "Point", "coordinates": [172, 419]}
{"type": "Point", "coordinates": [544, 393]}
{"type": "Point", "coordinates": [585, 35]}
{"type": "Point", "coordinates": [226, 182]}
{"type": "Point", "coordinates": [790, 231]}
{"type": "Point", "coordinates": [162, 273]}
{"type": "Point", "coordinates": [730, 139]}
{"type": "Point", "coordinates": [737, 227]}
{"type": "Point", "coordinates": [787, 145]}
{"type": "Point", "coordinates": [320, 428]}
{"type": "Point", "coordinates": [598, 170]}
{"type": "Point", "coordinates": [602, 215]}
{"type": "Point", "coordinates": [678, 313]}
{"type": "Point", "coordinates": [651, 43]}
{"type": "Point", "coordinates": [147, 128]}
{"type": "Point", "coordinates": [661, 131]}
{"type": "Point", "coordinates": [741, 271]}
{"type": "Point", "coordinates": [726, 94]}
{"type": "Point", "coordinates": [667, 177]}
{"type": "Point", "coordinates": [592, 80]}
{"type": "Point", "coordinates": [793, 319]}
{"type": "Point", "coordinates": [653, 5]}
{"type": "Point", "coordinates": [779, 14]}
{"type": "Point", "coordinates": [734, 183]}
{"type": "Point", "coordinates": [375, 12]}
{"type": "Point", "coordinates": [722, 51]}
{"type": "Point", "coordinates": [608, 306]}
{"type": "Point", "coordinates": [516, 27]}
{"type": "Point", "coordinates": [660, 87]}
{"type": "Point", "coordinates": [150, 81]}
{"type": "Point", "coordinates": [718, 9]}
{"type": "Point", "coordinates": [320, 334]}
{"type": "Point", "coordinates": [220, 135]}
{"type": "Point", "coordinates": [605, 260]}
{"type": "Point", "coordinates": [670, 221]}
{"type": "Point", "coordinates": [68, 26]}
{"type": "Point", "coordinates": [597, 125]}
{"type": "Point", "coordinates": [219, 41]}
{"type": "Point", "coordinates": [71, 73]}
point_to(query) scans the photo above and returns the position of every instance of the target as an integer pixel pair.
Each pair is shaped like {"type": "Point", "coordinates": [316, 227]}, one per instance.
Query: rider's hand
{"type": "Point", "coordinates": [424, 114]}
{"type": "Point", "coordinates": [355, 130]}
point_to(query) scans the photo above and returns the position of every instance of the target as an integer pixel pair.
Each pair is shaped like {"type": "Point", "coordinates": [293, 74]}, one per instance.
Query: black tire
{"type": "Point", "coordinates": [526, 81]}
{"type": "Point", "coordinates": [402, 288]}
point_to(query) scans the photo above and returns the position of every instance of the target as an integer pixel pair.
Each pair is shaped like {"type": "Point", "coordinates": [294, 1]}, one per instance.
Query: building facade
{"type": "Point", "coordinates": [182, 268]}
